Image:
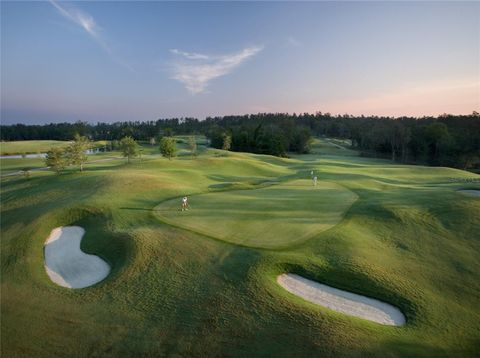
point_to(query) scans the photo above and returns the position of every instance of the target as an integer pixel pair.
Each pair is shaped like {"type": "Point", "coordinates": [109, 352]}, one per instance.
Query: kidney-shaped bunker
{"type": "Point", "coordinates": [67, 265]}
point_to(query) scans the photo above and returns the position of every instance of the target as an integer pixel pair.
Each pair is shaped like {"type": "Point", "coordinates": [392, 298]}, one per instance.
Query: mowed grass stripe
{"type": "Point", "coordinates": [274, 217]}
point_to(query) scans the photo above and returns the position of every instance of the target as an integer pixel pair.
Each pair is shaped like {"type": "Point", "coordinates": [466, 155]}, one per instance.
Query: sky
{"type": "Point", "coordinates": [140, 61]}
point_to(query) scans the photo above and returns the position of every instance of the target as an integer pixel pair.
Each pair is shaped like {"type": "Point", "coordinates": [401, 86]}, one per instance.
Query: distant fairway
{"type": "Point", "coordinates": [36, 146]}
{"type": "Point", "coordinates": [274, 217]}
{"type": "Point", "coordinates": [30, 146]}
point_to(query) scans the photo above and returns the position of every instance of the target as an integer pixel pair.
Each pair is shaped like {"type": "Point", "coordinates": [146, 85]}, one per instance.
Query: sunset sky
{"type": "Point", "coordinates": [116, 61]}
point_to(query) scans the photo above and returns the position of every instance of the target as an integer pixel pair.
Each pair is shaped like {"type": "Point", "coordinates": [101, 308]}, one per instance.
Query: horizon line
{"type": "Point", "coordinates": [473, 113]}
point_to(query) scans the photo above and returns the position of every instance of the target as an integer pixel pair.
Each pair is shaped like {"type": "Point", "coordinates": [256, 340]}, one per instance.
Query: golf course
{"type": "Point", "coordinates": [263, 263]}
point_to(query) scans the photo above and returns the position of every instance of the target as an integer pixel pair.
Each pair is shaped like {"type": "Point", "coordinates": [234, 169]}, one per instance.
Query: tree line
{"type": "Point", "coordinates": [448, 140]}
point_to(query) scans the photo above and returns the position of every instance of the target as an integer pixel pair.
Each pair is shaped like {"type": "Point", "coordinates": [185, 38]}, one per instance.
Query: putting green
{"type": "Point", "coordinates": [274, 217]}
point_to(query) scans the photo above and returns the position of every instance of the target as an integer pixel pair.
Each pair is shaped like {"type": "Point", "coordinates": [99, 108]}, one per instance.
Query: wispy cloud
{"type": "Point", "coordinates": [88, 23]}
{"type": "Point", "coordinates": [292, 41]}
{"type": "Point", "coordinates": [196, 70]}
{"type": "Point", "coordinates": [190, 56]}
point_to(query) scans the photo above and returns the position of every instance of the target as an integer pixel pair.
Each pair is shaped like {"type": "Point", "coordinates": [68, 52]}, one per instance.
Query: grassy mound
{"type": "Point", "coordinates": [410, 239]}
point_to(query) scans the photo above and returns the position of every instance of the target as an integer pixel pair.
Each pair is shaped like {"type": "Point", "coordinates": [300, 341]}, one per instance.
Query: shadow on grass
{"type": "Point", "coordinates": [414, 349]}
{"type": "Point", "coordinates": [115, 248]}
{"type": "Point", "coordinates": [144, 209]}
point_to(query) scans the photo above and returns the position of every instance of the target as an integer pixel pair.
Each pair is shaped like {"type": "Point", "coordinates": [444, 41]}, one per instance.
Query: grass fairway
{"type": "Point", "coordinates": [30, 146]}
{"type": "Point", "coordinates": [409, 239]}
{"type": "Point", "coordinates": [35, 146]}
{"type": "Point", "coordinates": [277, 216]}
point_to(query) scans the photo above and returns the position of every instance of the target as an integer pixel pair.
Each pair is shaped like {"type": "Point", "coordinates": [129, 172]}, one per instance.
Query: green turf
{"type": "Point", "coordinates": [15, 164]}
{"type": "Point", "coordinates": [11, 165]}
{"type": "Point", "coordinates": [409, 239]}
{"type": "Point", "coordinates": [35, 146]}
{"type": "Point", "coordinates": [285, 214]}
{"type": "Point", "coordinates": [29, 146]}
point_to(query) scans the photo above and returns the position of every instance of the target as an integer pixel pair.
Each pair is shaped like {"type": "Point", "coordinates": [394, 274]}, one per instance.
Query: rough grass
{"type": "Point", "coordinates": [410, 239]}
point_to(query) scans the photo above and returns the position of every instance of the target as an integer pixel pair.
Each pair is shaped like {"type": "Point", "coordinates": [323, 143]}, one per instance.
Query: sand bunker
{"type": "Point", "coordinates": [342, 301]}
{"type": "Point", "coordinates": [471, 192]}
{"type": "Point", "coordinates": [67, 265]}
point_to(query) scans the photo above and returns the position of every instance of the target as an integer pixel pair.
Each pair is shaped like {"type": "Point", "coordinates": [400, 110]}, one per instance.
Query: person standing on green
{"type": "Point", "coordinates": [184, 203]}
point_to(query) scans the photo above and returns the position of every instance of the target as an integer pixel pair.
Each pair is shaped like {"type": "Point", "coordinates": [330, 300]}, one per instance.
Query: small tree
{"type": "Point", "coordinates": [55, 159]}
{"type": "Point", "coordinates": [128, 147]}
{"type": "Point", "coordinates": [153, 141]}
{"type": "Point", "coordinates": [192, 145]}
{"type": "Point", "coordinates": [227, 141]}
{"type": "Point", "coordinates": [168, 147]}
{"type": "Point", "coordinates": [76, 152]}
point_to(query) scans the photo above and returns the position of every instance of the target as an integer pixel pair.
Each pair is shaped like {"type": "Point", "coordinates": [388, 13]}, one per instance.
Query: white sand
{"type": "Point", "coordinates": [471, 192]}
{"type": "Point", "coordinates": [342, 301]}
{"type": "Point", "coordinates": [67, 265]}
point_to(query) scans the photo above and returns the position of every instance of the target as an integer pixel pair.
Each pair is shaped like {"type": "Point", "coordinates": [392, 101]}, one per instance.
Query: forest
{"type": "Point", "coordinates": [446, 140]}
